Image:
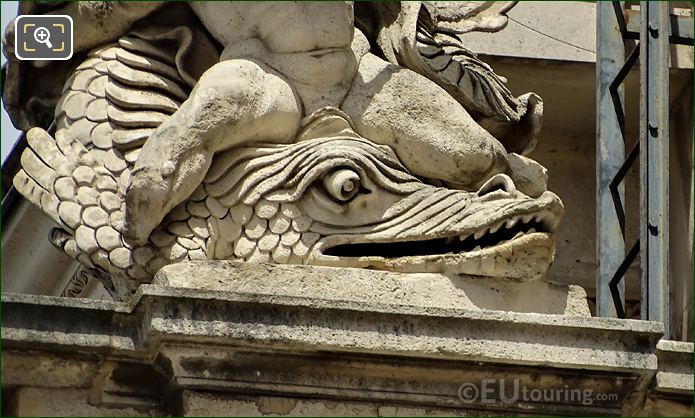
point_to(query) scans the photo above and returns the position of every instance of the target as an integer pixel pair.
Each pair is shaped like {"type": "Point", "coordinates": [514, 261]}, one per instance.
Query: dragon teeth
{"type": "Point", "coordinates": [526, 218]}
{"type": "Point", "coordinates": [479, 234]}
{"type": "Point", "coordinates": [477, 248]}
{"type": "Point", "coordinates": [496, 227]}
{"type": "Point", "coordinates": [531, 231]}
{"type": "Point", "coordinates": [510, 223]}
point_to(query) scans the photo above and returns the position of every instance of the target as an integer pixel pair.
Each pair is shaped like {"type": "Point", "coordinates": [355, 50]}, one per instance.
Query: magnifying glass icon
{"type": "Point", "coordinates": [43, 36]}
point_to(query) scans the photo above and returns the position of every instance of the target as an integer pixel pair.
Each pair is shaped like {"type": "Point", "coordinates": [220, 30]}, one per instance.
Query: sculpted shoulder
{"type": "Point", "coordinates": [283, 27]}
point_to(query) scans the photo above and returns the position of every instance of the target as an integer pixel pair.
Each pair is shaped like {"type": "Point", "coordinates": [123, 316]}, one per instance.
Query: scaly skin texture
{"type": "Point", "coordinates": [311, 202]}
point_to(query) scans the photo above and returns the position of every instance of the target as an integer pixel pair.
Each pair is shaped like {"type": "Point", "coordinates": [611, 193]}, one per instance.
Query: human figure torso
{"type": "Point", "coordinates": [308, 42]}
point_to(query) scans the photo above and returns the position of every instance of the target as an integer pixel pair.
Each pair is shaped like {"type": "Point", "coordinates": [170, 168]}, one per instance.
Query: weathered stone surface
{"type": "Point", "coordinates": [86, 239]}
{"type": "Point", "coordinates": [31, 368]}
{"type": "Point", "coordinates": [70, 213]}
{"type": "Point", "coordinates": [372, 356]}
{"type": "Point", "coordinates": [374, 153]}
{"type": "Point", "coordinates": [87, 196]}
{"type": "Point", "coordinates": [671, 393]}
{"type": "Point", "coordinates": [210, 404]}
{"type": "Point", "coordinates": [83, 176]}
{"type": "Point", "coordinates": [529, 176]}
{"type": "Point", "coordinates": [109, 201]}
{"type": "Point", "coordinates": [675, 374]}
{"type": "Point", "coordinates": [65, 188]}
{"type": "Point", "coordinates": [360, 285]}
{"type": "Point", "coordinates": [95, 217]}
{"type": "Point", "coordinates": [108, 238]}
{"type": "Point", "coordinates": [68, 402]}
{"type": "Point", "coordinates": [401, 224]}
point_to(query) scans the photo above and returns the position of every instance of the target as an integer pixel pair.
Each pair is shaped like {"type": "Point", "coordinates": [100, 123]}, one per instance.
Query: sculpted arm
{"type": "Point", "coordinates": [235, 101]}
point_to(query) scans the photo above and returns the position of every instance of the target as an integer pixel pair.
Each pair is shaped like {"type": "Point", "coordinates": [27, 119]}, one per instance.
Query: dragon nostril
{"type": "Point", "coordinates": [497, 182]}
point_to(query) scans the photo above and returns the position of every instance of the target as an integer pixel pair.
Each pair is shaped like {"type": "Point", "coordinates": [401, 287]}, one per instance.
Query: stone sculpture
{"type": "Point", "coordinates": [297, 146]}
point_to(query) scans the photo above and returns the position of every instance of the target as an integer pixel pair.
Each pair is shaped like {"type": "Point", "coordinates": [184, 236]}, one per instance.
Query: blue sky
{"type": "Point", "coordinates": [9, 134]}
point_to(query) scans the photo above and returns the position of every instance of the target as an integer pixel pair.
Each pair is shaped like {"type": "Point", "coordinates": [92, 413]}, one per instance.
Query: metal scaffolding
{"type": "Point", "coordinates": [656, 26]}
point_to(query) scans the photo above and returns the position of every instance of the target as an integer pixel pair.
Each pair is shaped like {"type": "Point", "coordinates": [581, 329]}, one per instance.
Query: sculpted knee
{"type": "Point", "coordinates": [237, 82]}
{"type": "Point", "coordinates": [243, 89]}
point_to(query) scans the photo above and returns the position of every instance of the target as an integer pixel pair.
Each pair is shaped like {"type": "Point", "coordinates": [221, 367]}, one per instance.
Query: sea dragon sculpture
{"type": "Point", "coordinates": [328, 193]}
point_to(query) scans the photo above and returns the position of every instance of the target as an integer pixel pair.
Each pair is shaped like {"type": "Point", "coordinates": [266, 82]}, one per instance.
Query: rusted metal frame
{"type": "Point", "coordinates": [611, 69]}
{"type": "Point", "coordinates": [681, 27]}
{"type": "Point", "coordinates": [617, 279]}
{"type": "Point", "coordinates": [616, 183]}
{"type": "Point", "coordinates": [654, 161]}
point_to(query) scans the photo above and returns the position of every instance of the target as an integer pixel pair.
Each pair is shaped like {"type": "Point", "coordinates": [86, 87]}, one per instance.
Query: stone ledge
{"type": "Point", "coordinates": [164, 313]}
{"type": "Point", "coordinates": [671, 393]}
{"type": "Point", "coordinates": [371, 353]}
{"type": "Point", "coordinates": [380, 287]}
{"type": "Point", "coordinates": [675, 375]}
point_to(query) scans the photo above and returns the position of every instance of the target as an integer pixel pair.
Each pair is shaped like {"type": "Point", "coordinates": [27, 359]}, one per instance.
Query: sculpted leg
{"type": "Point", "coordinates": [234, 102]}
{"type": "Point", "coordinates": [431, 133]}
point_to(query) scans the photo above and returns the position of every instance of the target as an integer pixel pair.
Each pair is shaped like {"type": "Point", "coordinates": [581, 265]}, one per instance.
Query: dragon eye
{"type": "Point", "coordinates": [342, 184]}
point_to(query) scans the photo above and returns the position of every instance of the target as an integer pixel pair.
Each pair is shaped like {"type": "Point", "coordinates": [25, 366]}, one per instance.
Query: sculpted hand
{"type": "Point", "coordinates": [145, 201]}
{"type": "Point", "coordinates": [157, 186]}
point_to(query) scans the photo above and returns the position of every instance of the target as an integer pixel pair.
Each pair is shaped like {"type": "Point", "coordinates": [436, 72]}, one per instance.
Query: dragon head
{"type": "Point", "coordinates": [331, 198]}
{"type": "Point", "coordinates": [334, 198]}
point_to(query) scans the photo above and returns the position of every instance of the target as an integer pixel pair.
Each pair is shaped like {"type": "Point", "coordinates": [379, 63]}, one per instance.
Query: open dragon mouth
{"type": "Point", "coordinates": [489, 236]}
{"type": "Point", "coordinates": [518, 246]}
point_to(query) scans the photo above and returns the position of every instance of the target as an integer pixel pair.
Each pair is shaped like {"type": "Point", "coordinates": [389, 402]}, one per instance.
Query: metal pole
{"type": "Point", "coordinates": [610, 153]}
{"type": "Point", "coordinates": [654, 143]}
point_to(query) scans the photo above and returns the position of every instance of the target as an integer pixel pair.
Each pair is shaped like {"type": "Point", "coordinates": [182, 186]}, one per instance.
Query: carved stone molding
{"type": "Point", "coordinates": [211, 352]}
